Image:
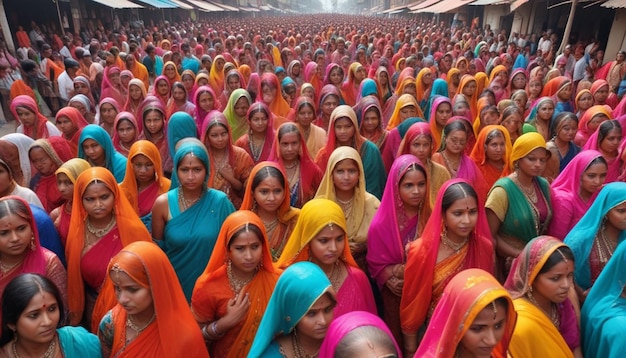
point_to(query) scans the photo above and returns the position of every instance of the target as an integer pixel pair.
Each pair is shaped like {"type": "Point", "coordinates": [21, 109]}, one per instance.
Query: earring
{"type": "Point", "coordinates": [32, 243]}
{"type": "Point", "coordinates": [516, 166]}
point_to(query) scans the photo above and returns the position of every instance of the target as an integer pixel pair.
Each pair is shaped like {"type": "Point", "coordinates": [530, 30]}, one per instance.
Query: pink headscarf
{"type": "Point", "coordinates": [29, 104]}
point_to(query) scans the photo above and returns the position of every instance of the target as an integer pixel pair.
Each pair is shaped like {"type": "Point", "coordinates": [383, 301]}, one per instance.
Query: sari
{"type": "Point", "coordinates": [131, 105]}
{"type": "Point", "coordinates": [189, 236]}
{"type": "Point", "coordinates": [583, 238]}
{"type": "Point", "coordinates": [239, 125]}
{"type": "Point", "coordinates": [404, 100]}
{"type": "Point", "coordinates": [114, 161]}
{"type": "Point", "coordinates": [57, 149]}
{"type": "Point", "coordinates": [177, 76]}
{"type": "Point", "coordinates": [440, 89]}
{"type": "Point", "coordinates": [216, 77]}
{"type": "Point", "coordinates": [603, 314]}
{"type": "Point", "coordinates": [41, 128]}
{"type": "Point", "coordinates": [212, 292]}
{"type": "Point", "coordinates": [533, 325]}
{"type": "Point", "coordinates": [109, 90]}
{"type": "Point", "coordinates": [117, 144]}
{"type": "Point", "coordinates": [72, 168]}
{"type": "Point", "coordinates": [614, 165]}
{"type": "Point", "coordinates": [173, 106]}
{"type": "Point", "coordinates": [490, 173]}
{"type": "Point", "coordinates": [321, 120]}
{"type": "Point", "coordinates": [466, 80]}
{"type": "Point", "coordinates": [310, 76]}
{"type": "Point", "coordinates": [347, 323]}
{"type": "Point", "coordinates": [201, 114]}
{"type": "Point", "coordinates": [465, 296]}
{"type": "Point", "coordinates": [370, 103]}
{"type": "Point", "coordinates": [349, 89]}
{"type": "Point", "coordinates": [566, 199]}
{"type": "Point", "coordinates": [583, 134]}
{"type": "Point", "coordinates": [86, 264]}
{"type": "Point", "coordinates": [78, 121]}
{"type": "Point", "coordinates": [258, 154]}
{"type": "Point", "coordinates": [279, 105]}
{"type": "Point", "coordinates": [424, 287]}
{"type": "Point", "coordinates": [355, 293]}
{"type": "Point", "coordinates": [435, 128]}
{"type": "Point", "coordinates": [278, 235]}
{"type": "Point", "coordinates": [159, 141]}
{"type": "Point", "coordinates": [148, 266]}
{"type": "Point", "coordinates": [143, 201]}
{"type": "Point", "coordinates": [373, 166]}
{"type": "Point", "coordinates": [77, 342]}
{"type": "Point", "coordinates": [22, 143]}
{"type": "Point", "coordinates": [297, 289]}
{"type": "Point", "coordinates": [180, 125]}
{"type": "Point", "coordinates": [422, 90]}
{"type": "Point", "coordinates": [534, 121]}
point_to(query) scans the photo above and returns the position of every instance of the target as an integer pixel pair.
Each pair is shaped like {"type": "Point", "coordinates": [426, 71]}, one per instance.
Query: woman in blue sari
{"type": "Point", "coordinates": [603, 315]}
{"type": "Point", "coordinates": [180, 125]}
{"type": "Point", "coordinates": [187, 219]}
{"type": "Point", "coordinates": [96, 147]}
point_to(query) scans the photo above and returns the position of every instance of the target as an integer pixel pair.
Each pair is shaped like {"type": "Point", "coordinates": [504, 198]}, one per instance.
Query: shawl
{"type": "Point", "coordinates": [177, 76]}
{"type": "Point", "coordinates": [328, 90]}
{"type": "Point", "coordinates": [72, 168]}
{"type": "Point", "coordinates": [270, 133]}
{"type": "Point", "coordinates": [239, 125]}
{"type": "Point", "coordinates": [180, 125]}
{"type": "Point", "coordinates": [614, 168]}
{"type": "Point", "coordinates": [310, 76]}
{"type": "Point", "coordinates": [422, 90]}
{"type": "Point", "coordinates": [279, 105]}
{"type": "Point", "coordinates": [465, 81]}
{"type": "Point", "coordinates": [204, 303]}
{"type": "Point", "coordinates": [160, 143]}
{"type": "Point", "coordinates": [109, 90]}
{"type": "Point", "coordinates": [364, 204]}
{"type": "Point", "coordinates": [422, 259]}
{"type": "Point", "coordinates": [344, 325]}
{"type": "Point", "coordinates": [57, 149]}
{"type": "Point", "coordinates": [385, 244]}
{"type": "Point", "coordinates": [436, 128]}
{"type": "Point", "coordinates": [490, 173]}
{"type": "Point", "coordinates": [366, 104]}
{"type": "Point", "coordinates": [22, 143]}
{"type": "Point", "coordinates": [566, 199]}
{"type": "Point", "coordinates": [155, 90]}
{"type": "Point", "coordinates": [579, 95]}
{"type": "Point", "coordinates": [130, 228]}
{"type": "Point", "coordinates": [113, 102]}
{"type": "Point", "coordinates": [452, 73]}
{"type": "Point", "coordinates": [216, 77]}
{"type": "Point", "coordinates": [114, 161]}
{"type": "Point", "coordinates": [465, 296]}
{"type": "Point", "coordinates": [583, 134]}
{"type": "Point", "coordinates": [117, 144]}
{"type": "Point", "coordinates": [78, 121]}
{"type": "Point", "coordinates": [76, 342]}
{"type": "Point", "coordinates": [39, 128]}
{"type": "Point", "coordinates": [384, 92]}
{"type": "Point", "coordinates": [132, 106]}
{"type": "Point", "coordinates": [349, 89]}
{"type": "Point", "coordinates": [405, 100]}
{"type": "Point", "coordinates": [297, 289]}
{"type": "Point", "coordinates": [201, 114]}
{"type": "Point", "coordinates": [149, 267]}
{"type": "Point", "coordinates": [440, 89]}
{"type": "Point", "coordinates": [129, 185]}
{"type": "Point", "coordinates": [581, 238]}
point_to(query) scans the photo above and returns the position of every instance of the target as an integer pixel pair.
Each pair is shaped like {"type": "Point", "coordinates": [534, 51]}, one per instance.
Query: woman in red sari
{"type": "Point", "coordinates": [47, 155]}
{"type": "Point", "coordinates": [260, 137]}
{"type": "Point", "coordinates": [65, 179]}
{"type": "Point", "coordinates": [162, 90]}
{"type": "Point", "coordinates": [70, 122]}
{"type": "Point", "coordinates": [32, 122]}
{"type": "Point", "coordinates": [491, 153]}
{"type": "Point", "coordinates": [126, 132]}
{"type": "Point", "coordinates": [102, 223]}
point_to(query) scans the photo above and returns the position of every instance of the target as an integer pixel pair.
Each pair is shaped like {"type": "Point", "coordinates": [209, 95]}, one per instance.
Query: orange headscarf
{"type": "Point", "coordinates": [465, 80]}
{"type": "Point", "coordinates": [216, 78]}
{"type": "Point", "coordinates": [479, 157]}
{"type": "Point", "coordinates": [420, 88]}
{"type": "Point", "coordinates": [131, 229]}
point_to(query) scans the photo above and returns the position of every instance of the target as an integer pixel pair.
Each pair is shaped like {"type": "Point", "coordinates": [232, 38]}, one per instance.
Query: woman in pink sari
{"type": "Point", "coordinates": [260, 137]}
{"type": "Point", "coordinates": [155, 131]}
{"type": "Point", "coordinates": [31, 122]}
{"type": "Point", "coordinates": [606, 140]}
{"type": "Point", "coordinates": [126, 132]}
{"type": "Point", "coordinates": [589, 122]}
{"type": "Point", "coordinates": [112, 86]}
{"type": "Point", "coordinates": [70, 122]}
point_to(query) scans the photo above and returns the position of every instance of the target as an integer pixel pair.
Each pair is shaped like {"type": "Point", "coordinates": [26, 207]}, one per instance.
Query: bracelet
{"type": "Point", "coordinates": [214, 330]}
{"type": "Point", "coordinates": [205, 333]}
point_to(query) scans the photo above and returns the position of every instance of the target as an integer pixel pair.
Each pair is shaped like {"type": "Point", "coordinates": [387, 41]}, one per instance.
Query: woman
{"type": "Point", "coordinates": [260, 137]}
{"type": "Point", "coordinates": [112, 86]}
{"type": "Point", "coordinates": [357, 334]}
{"type": "Point", "coordinates": [32, 123]}
{"type": "Point", "coordinates": [180, 224]}
{"type": "Point", "coordinates": [84, 105]}
{"type": "Point", "coordinates": [320, 237]}
{"type": "Point", "coordinates": [329, 100]}
{"type": "Point", "coordinates": [511, 119]}
{"type": "Point", "coordinates": [467, 87]}
{"type": "Point", "coordinates": [205, 102]}
{"type": "Point", "coordinates": [491, 153]}
{"type": "Point", "coordinates": [539, 283]}
{"type": "Point", "coordinates": [371, 124]}
{"type": "Point", "coordinates": [603, 312]}
{"type": "Point", "coordinates": [235, 112]}
{"type": "Point", "coordinates": [47, 155]}
{"type": "Point", "coordinates": [180, 125]}
{"type": "Point", "coordinates": [343, 131]}
{"type": "Point", "coordinates": [229, 165]}
{"type": "Point", "coordinates": [161, 90]}
{"type": "Point", "coordinates": [102, 223]}
{"type": "Point", "coordinates": [440, 113]}
{"type": "Point", "coordinates": [179, 101]}
{"type": "Point", "coordinates": [26, 255]}
{"type": "Point", "coordinates": [126, 132]}
{"type": "Point", "coordinates": [400, 219]}
{"type": "Point", "coordinates": [583, 101]}
{"type": "Point", "coordinates": [66, 177]}
{"type": "Point", "coordinates": [96, 147]}
{"type": "Point", "coordinates": [456, 237]}
{"type": "Point", "coordinates": [562, 143]}
{"type": "Point", "coordinates": [231, 295]}
{"type": "Point", "coordinates": [419, 142]}
{"type": "Point", "coordinates": [475, 317]}
{"type": "Point", "coordinates": [344, 183]}
{"type": "Point", "coordinates": [267, 195]}
{"type": "Point", "coordinates": [315, 137]}
{"type": "Point", "coordinates": [150, 306]}
{"type": "Point", "coordinates": [34, 300]}
{"type": "Point", "coordinates": [589, 122]}
{"type": "Point", "coordinates": [170, 72]}
{"type": "Point", "coordinates": [271, 94]}
{"type": "Point", "coordinates": [575, 189]}
{"type": "Point", "coordinates": [540, 117]}
{"type": "Point", "coordinates": [144, 181]}
{"type": "Point", "coordinates": [233, 81]}
{"type": "Point", "coordinates": [217, 74]}
{"type": "Point", "coordinates": [136, 94]}
{"type": "Point", "coordinates": [108, 110]}
{"type": "Point", "coordinates": [595, 237]}
{"type": "Point", "coordinates": [290, 152]}
{"type": "Point", "coordinates": [9, 186]}
{"type": "Point", "coordinates": [406, 107]}
{"type": "Point", "coordinates": [70, 122]}
{"type": "Point", "coordinates": [423, 84]}
{"type": "Point", "coordinates": [519, 206]}
{"type": "Point", "coordinates": [606, 140]}
{"type": "Point", "coordinates": [155, 131]}
{"type": "Point", "coordinates": [297, 315]}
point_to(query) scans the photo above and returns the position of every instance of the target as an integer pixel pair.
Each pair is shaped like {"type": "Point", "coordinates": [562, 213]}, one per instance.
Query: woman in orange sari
{"type": "Point", "coordinates": [142, 275]}
{"type": "Point", "coordinates": [456, 237]}
{"type": "Point", "coordinates": [230, 297]}
{"type": "Point", "coordinates": [102, 223]}
{"type": "Point", "coordinates": [423, 84]}
{"type": "Point", "coordinates": [491, 153]}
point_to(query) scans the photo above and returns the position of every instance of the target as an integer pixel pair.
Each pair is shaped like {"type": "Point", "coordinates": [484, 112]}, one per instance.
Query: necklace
{"type": "Point", "coordinates": [334, 276]}
{"type": "Point", "coordinates": [451, 166]}
{"type": "Point", "coordinates": [456, 247]}
{"type": "Point", "coordinates": [4, 269]}
{"type": "Point", "coordinates": [100, 232]}
{"type": "Point", "coordinates": [270, 226]}
{"type": "Point", "coordinates": [298, 350]}
{"type": "Point", "coordinates": [604, 247]}
{"type": "Point", "coordinates": [295, 164]}
{"type": "Point", "coordinates": [294, 177]}
{"type": "Point", "coordinates": [529, 193]}
{"type": "Point", "coordinates": [186, 203]}
{"type": "Point", "coordinates": [49, 352]}
{"type": "Point", "coordinates": [256, 150]}
{"type": "Point", "coordinates": [554, 312]}
{"type": "Point", "coordinates": [346, 206]}
{"type": "Point", "coordinates": [130, 324]}
{"type": "Point", "coordinates": [236, 284]}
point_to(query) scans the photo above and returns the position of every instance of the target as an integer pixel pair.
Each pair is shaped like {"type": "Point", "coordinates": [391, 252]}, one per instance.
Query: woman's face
{"type": "Point", "coordinates": [42, 161]}
{"type": "Point", "coordinates": [107, 113]}
{"type": "Point", "coordinates": [218, 137]}
{"type": "Point", "coordinates": [520, 101]}
{"type": "Point", "coordinates": [585, 101]}
{"type": "Point", "coordinates": [616, 217]}
{"type": "Point", "coordinates": [315, 322]}
{"type": "Point", "coordinates": [610, 143]}
{"type": "Point", "coordinates": [410, 88]}
{"type": "Point", "coordinates": [80, 107]}
{"type": "Point", "coordinates": [5, 179]}
{"type": "Point", "coordinates": [371, 120]}
{"type": "Point", "coordinates": [495, 149]}
{"type": "Point", "coordinates": [98, 201]}
{"type": "Point", "coordinates": [308, 92]}
{"type": "Point", "coordinates": [568, 131]}
{"type": "Point", "coordinates": [125, 80]}
{"type": "Point", "coordinates": [38, 322]}
{"type": "Point", "coordinates": [553, 286]}
{"type": "Point", "coordinates": [346, 176]}
{"type": "Point", "coordinates": [305, 115]}
{"type": "Point", "coordinates": [407, 112]}
{"type": "Point", "coordinates": [135, 298]}
{"type": "Point", "coordinates": [328, 245]}
{"type": "Point", "coordinates": [329, 104]}
{"type": "Point", "coordinates": [383, 78]}
{"type": "Point", "coordinates": [126, 130]}
{"type": "Point", "coordinates": [461, 218]}
{"type": "Point", "coordinates": [245, 252]}
{"type": "Point", "coordinates": [259, 122]}
{"type": "Point", "coordinates": [188, 82]}
{"type": "Point", "coordinates": [519, 81]}
{"type": "Point", "coordinates": [65, 186]}
{"type": "Point", "coordinates": [15, 237]}
{"type": "Point", "coordinates": [443, 113]}
{"type": "Point", "coordinates": [153, 122]}
{"type": "Point", "coordinates": [203, 82]}
{"type": "Point", "coordinates": [421, 147]}
{"type": "Point", "coordinates": [336, 77]}
{"type": "Point", "coordinates": [134, 92]}
{"type": "Point", "coordinates": [289, 146]}
{"type": "Point", "coordinates": [565, 94]}
{"type": "Point", "coordinates": [233, 82]}
{"type": "Point", "coordinates": [545, 111]}
{"type": "Point", "coordinates": [269, 93]}
{"type": "Point", "coordinates": [94, 151]}
{"type": "Point", "coordinates": [595, 122]}
{"type": "Point", "coordinates": [490, 117]}
{"type": "Point", "coordinates": [534, 88]}
{"type": "Point", "coordinates": [456, 141]}
{"type": "Point", "coordinates": [115, 79]}
{"type": "Point", "coordinates": [170, 72]}
{"type": "Point", "coordinates": [241, 107]}
{"type": "Point", "coordinates": [469, 89]}
{"type": "Point", "coordinates": [534, 163]}
{"type": "Point", "coordinates": [513, 124]}
{"type": "Point", "coordinates": [81, 88]}
{"type": "Point", "coordinates": [143, 168]}
{"type": "Point", "coordinates": [179, 94]}
{"type": "Point", "coordinates": [206, 101]}
{"type": "Point", "coordinates": [593, 178]}
{"type": "Point", "coordinates": [485, 333]}
{"type": "Point", "coordinates": [191, 172]}
{"type": "Point", "coordinates": [427, 79]}
{"type": "Point", "coordinates": [26, 116]}
{"type": "Point", "coordinates": [601, 95]}
{"type": "Point", "coordinates": [412, 189]}
{"type": "Point", "coordinates": [66, 126]}
{"type": "Point", "coordinates": [269, 194]}
{"type": "Point", "coordinates": [163, 88]}
{"type": "Point", "coordinates": [344, 131]}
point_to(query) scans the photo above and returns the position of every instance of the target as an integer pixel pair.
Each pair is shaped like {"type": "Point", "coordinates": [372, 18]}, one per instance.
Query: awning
{"type": "Point", "coordinates": [249, 9]}
{"type": "Point", "coordinates": [423, 5]}
{"type": "Point", "coordinates": [182, 5]}
{"type": "Point", "coordinates": [401, 7]}
{"type": "Point", "coordinates": [205, 6]}
{"type": "Point", "coordinates": [225, 7]}
{"type": "Point", "coordinates": [159, 4]}
{"type": "Point", "coordinates": [445, 6]}
{"type": "Point", "coordinates": [264, 8]}
{"type": "Point", "coordinates": [119, 4]}
{"type": "Point", "coordinates": [614, 4]}
{"type": "Point", "coordinates": [489, 2]}
{"type": "Point", "coordinates": [517, 3]}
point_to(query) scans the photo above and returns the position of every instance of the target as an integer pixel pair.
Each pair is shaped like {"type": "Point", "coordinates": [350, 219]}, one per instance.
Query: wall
{"type": "Point", "coordinates": [617, 37]}
{"type": "Point", "coordinates": [492, 15]}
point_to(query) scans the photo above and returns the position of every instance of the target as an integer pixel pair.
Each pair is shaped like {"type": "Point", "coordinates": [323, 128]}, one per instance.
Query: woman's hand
{"type": "Point", "coordinates": [395, 285]}
{"type": "Point", "coordinates": [236, 311]}
{"type": "Point", "coordinates": [228, 173]}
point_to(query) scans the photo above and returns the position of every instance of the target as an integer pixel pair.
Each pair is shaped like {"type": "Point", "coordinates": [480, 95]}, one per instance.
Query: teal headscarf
{"type": "Point", "coordinates": [368, 88]}
{"type": "Point", "coordinates": [581, 238]}
{"type": "Point", "coordinates": [195, 147]}
{"type": "Point", "coordinates": [297, 289]}
{"type": "Point", "coordinates": [114, 161]}
{"type": "Point", "coordinates": [440, 88]}
{"type": "Point", "coordinates": [180, 125]}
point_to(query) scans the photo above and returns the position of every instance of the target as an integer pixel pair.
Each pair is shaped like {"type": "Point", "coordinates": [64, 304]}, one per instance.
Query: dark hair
{"type": "Point", "coordinates": [286, 129]}
{"type": "Point", "coordinates": [256, 108]}
{"type": "Point", "coordinates": [305, 103]}
{"type": "Point", "coordinates": [413, 167]}
{"type": "Point", "coordinates": [10, 206]}
{"type": "Point", "coordinates": [607, 127]}
{"type": "Point", "coordinates": [18, 294]}
{"type": "Point", "coordinates": [562, 254]}
{"type": "Point", "coordinates": [495, 133]}
{"type": "Point", "coordinates": [249, 227]}
{"type": "Point", "coordinates": [455, 192]}
{"type": "Point", "coordinates": [452, 126]}
{"type": "Point", "coordinates": [509, 111]}
{"type": "Point", "coordinates": [28, 65]}
{"type": "Point", "coordinates": [374, 336]}
{"type": "Point", "coordinates": [179, 85]}
{"type": "Point", "coordinates": [267, 172]}
{"type": "Point", "coordinates": [598, 160]}
{"type": "Point", "coordinates": [562, 117]}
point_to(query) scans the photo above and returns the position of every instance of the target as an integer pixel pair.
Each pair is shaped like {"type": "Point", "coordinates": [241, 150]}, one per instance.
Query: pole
{"type": "Point", "coordinates": [568, 27]}
{"type": "Point", "coordinates": [59, 14]}
{"type": "Point", "coordinates": [6, 30]}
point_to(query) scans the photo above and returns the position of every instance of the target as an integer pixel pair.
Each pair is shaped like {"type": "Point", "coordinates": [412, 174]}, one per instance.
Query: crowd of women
{"type": "Point", "coordinates": [347, 193]}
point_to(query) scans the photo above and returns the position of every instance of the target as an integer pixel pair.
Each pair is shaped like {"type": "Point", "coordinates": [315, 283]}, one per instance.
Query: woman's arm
{"type": "Point", "coordinates": [159, 216]}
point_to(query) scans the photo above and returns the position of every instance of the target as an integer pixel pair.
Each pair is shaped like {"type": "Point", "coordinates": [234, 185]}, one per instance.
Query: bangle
{"type": "Point", "coordinates": [214, 329]}
{"type": "Point", "coordinates": [205, 333]}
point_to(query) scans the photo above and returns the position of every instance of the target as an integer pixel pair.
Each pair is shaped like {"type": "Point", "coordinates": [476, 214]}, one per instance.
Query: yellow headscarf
{"type": "Point", "coordinates": [404, 101]}
{"type": "Point", "coordinates": [525, 144]}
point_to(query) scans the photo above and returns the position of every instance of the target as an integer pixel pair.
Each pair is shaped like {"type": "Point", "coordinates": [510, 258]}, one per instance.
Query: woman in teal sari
{"type": "Point", "coordinates": [603, 315]}
{"type": "Point", "coordinates": [302, 299]}
{"type": "Point", "coordinates": [187, 219]}
{"type": "Point", "coordinates": [180, 125]}
{"type": "Point", "coordinates": [96, 147]}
